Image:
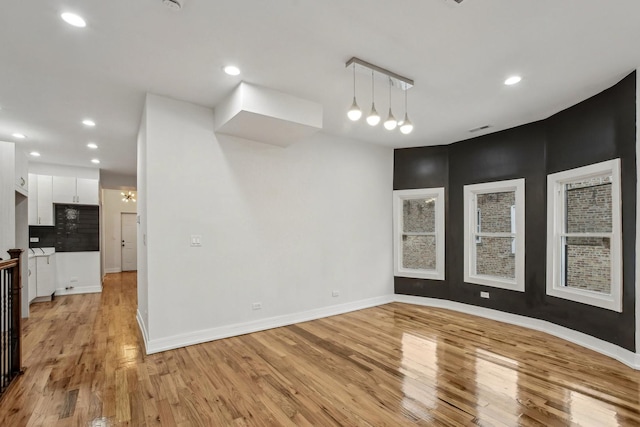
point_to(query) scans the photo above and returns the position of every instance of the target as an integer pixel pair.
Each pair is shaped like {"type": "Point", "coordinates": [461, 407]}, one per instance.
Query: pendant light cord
{"type": "Point", "coordinates": [354, 80]}
{"type": "Point", "coordinates": [373, 96]}
{"type": "Point", "coordinates": [405, 101]}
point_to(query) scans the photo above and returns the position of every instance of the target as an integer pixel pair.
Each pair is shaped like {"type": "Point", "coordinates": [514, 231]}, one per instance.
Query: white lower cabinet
{"type": "Point", "coordinates": [42, 278]}
{"type": "Point", "coordinates": [33, 279]}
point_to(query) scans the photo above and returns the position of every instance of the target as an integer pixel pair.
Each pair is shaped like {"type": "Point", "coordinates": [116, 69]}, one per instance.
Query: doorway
{"type": "Point", "coordinates": [129, 235]}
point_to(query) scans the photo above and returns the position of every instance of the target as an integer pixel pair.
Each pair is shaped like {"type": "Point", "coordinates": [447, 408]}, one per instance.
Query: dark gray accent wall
{"type": "Point", "coordinates": [598, 129]}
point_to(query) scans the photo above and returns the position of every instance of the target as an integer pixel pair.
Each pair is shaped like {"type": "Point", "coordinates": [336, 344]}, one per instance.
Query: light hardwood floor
{"type": "Point", "coordinates": [387, 366]}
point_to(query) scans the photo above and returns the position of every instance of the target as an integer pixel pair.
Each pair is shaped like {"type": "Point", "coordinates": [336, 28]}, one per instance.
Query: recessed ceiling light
{"type": "Point", "coordinates": [35, 154]}
{"type": "Point", "coordinates": [18, 135]}
{"type": "Point", "coordinates": [88, 122]}
{"type": "Point", "coordinates": [512, 80]}
{"type": "Point", "coordinates": [92, 145]}
{"type": "Point", "coordinates": [232, 70]}
{"type": "Point", "coordinates": [96, 161]}
{"type": "Point", "coordinates": [73, 19]}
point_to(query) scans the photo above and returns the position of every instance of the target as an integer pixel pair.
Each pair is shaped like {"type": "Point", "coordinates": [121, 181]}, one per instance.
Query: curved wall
{"type": "Point", "coordinates": [598, 129]}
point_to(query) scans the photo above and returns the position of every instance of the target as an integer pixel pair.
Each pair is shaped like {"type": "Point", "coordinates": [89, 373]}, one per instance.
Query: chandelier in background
{"type": "Point", "coordinates": [129, 196]}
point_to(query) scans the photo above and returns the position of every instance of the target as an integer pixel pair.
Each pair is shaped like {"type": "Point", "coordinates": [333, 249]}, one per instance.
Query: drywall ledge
{"type": "Point", "coordinates": [265, 115]}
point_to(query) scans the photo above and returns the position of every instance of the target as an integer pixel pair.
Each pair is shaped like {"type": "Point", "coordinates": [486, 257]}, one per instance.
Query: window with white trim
{"type": "Point", "coordinates": [494, 234]}
{"type": "Point", "coordinates": [418, 224]}
{"type": "Point", "coordinates": [584, 244]}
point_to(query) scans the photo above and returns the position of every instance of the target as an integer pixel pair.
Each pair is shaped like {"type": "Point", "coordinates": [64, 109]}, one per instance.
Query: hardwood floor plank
{"type": "Point", "coordinates": [391, 365]}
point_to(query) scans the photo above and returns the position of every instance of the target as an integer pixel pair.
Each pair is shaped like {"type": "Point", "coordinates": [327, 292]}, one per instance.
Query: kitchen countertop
{"type": "Point", "coordinates": [38, 252]}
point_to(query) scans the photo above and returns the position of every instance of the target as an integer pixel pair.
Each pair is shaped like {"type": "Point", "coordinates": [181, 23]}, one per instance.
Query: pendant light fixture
{"type": "Point", "coordinates": [354, 112]}
{"type": "Point", "coordinates": [406, 127]}
{"type": "Point", "coordinates": [373, 118]}
{"type": "Point", "coordinates": [394, 80]}
{"type": "Point", "coordinates": [391, 122]}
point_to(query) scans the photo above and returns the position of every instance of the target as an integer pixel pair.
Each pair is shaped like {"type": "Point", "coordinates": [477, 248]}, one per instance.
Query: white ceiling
{"type": "Point", "coordinates": [53, 75]}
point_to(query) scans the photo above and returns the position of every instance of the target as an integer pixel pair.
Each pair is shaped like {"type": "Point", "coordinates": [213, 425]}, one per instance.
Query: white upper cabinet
{"type": "Point", "coordinates": [64, 189]}
{"type": "Point", "coordinates": [82, 191]}
{"type": "Point", "coordinates": [40, 200]}
{"type": "Point", "coordinates": [87, 191]}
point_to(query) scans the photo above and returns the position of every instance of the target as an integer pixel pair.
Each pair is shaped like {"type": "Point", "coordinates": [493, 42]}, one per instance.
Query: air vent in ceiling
{"type": "Point", "coordinates": [480, 128]}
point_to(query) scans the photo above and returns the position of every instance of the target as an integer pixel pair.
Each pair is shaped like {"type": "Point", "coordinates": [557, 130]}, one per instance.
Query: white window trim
{"type": "Point", "coordinates": [470, 221]}
{"type": "Point", "coordinates": [423, 193]}
{"type": "Point", "coordinates": [555, 227]}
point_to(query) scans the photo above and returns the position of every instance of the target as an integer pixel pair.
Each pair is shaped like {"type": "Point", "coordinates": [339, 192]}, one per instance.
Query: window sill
{"type": "Point", "coordinates": [495, 282]}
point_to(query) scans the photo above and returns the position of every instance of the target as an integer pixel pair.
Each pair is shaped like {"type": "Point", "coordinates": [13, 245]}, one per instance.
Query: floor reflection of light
{"type": "Point", "coordinates": [496, 387]}
{"type": "Point", "coordinates": [420, 367]}
{"type": "Point", "coordinates": [587, 411]}
{"type": "Point", "coordinates": [129, 355]}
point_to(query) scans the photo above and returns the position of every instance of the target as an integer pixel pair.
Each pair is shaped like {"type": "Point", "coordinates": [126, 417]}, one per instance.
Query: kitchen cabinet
{"type": "Point", "coordinates": [72, 190]}
{"type": "Point", "coordinates": [22, 173]}
{"type": "Point", "coordinates": [33, 278]}
{"type": "Point", "coordinates": [40, 200]}
{"type": "Point", "coordinates": [42, 276]}
{"type": "Point", "coordinates": [46, 274]}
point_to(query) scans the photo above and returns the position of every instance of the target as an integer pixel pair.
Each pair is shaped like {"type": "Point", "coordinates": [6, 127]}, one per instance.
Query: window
{"type": "Point", "coordinates": [418, 219]}
{"type": "Point", "coordinates": [494, 234]}
{"type": "Point", "coordinates": [584, 244]}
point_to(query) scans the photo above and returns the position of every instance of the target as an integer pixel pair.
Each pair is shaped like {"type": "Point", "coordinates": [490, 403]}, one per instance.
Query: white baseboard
{"type": "Point", "coordinates": [197, 337]}
{"type": "Point", "coordinates": [112, 270]}
{"type": "Point", "coordinates": [625, 356]}
{"type": "Point", "coordinates": [79, 290]}
{"type": "Point", "coordinates": [143, 330]}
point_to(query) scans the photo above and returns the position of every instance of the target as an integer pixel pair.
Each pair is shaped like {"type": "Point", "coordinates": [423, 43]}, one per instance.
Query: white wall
{"type": "Point", "coordinates": [77, 272]}
{"type": "Point", "coordinates": [7, 199]}
{"type": "Point", "coordinates": [143, 285]}
{"type": "Point", "coordinates": [280, 226]}
{"type": "Point", "coordinates": [117, 181]}
{"type": "Point", "coordinates": [112, 207]}
{"type": "Point", "coordinates": [22, 242]}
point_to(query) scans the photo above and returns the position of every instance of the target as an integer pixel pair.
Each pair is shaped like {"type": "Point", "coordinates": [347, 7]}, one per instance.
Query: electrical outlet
{"type": "Point", "coordinates": [34, 239]}
{"type": "Point", "coordinates": [196, 240]}
{"type": "Point", "coordinates": [484, 294]}
{"type": "Point", "coordinates": [335, 294]}
{"type": "Point", "coordinates": [256, 306]}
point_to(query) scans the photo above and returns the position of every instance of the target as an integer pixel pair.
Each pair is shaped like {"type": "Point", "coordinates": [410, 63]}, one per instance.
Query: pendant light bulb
{"type": "Point", "coordinates": [391, 122]}
{"type": "Point", "coordinates": [354, 112]}
{"type": "Point", "coordinates": [373, 118]}
{"type": "Point", "coordinates": [406, 127]}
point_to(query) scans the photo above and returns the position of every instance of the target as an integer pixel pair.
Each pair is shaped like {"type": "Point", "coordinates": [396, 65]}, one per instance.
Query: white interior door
{"type": "Point", "coordinates": [129, 242]}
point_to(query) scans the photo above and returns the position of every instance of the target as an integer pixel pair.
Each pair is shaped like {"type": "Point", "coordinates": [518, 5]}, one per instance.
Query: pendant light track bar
{"type": "Point", "coordinates": [397, 80]}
